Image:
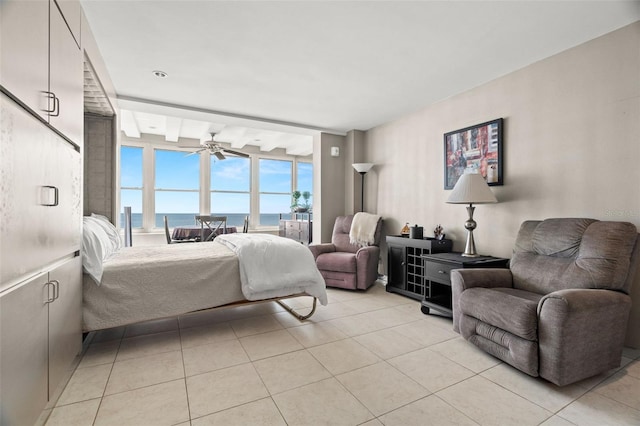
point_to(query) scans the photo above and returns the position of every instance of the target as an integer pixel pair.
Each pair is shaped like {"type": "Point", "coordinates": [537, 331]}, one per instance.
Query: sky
{"type": "Point", "coordinates": [176, 171]}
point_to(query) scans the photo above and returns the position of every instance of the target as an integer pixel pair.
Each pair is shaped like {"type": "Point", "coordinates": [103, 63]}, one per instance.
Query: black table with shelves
{"type": "Point", "coordinates": [437, 277]}
{"type": "Point", "coordinates": [405, 274]}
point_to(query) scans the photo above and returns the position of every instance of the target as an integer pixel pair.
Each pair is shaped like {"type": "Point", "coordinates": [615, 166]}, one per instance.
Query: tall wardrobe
{"type": "Point", "coordinates": [41, 132]}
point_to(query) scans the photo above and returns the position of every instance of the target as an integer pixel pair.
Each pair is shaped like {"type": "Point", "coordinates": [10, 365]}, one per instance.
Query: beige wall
{"type": "Point", "coordinates": [571, 149]}
{"type": "Point", "coordinates": [328, 181]}
{"type": "Point", "coordinates": [331, 174]}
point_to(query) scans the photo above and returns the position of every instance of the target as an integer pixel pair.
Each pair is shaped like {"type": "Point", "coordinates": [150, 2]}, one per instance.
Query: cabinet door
{"type": "Point", "coordinates": [23, 352]}
{"type": "Point", "coordinates": [24, 57]}
{"type": "Point", "coordinates": [305, 232]}
{"type": "Point", "coordinates": [40, 218]}
{"type": "Point", "coordinates": [66, 79]}
{"type": "Point", "coordinates": [396, 274]}
{"type": "Point", "coordinates": [293, 230]}
{"type": "Point", "coordinates": [72, 12]}
{"type": "Point", "coordinates": [65, 320]}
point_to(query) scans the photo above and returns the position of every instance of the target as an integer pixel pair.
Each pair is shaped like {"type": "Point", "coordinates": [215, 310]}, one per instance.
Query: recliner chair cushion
{"type": "Point", "coordinates": [521, 353]}
{"type": "Point", "coordinates": [558, 254]}
{"type": "Point", "coordinates": [509, 309]}
{"type": "Point", "coordinates": [337, 261]}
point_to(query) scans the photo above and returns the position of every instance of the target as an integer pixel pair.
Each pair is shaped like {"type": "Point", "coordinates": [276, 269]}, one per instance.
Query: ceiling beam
{"type": "Point", "coordinates": [128, 124]}
{"type": "Point", "coordinates": [173, 125]}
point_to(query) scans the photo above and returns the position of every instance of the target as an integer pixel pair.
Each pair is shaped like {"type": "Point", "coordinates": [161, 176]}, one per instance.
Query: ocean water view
{"type": "Point", "coordinates": [187, 219]}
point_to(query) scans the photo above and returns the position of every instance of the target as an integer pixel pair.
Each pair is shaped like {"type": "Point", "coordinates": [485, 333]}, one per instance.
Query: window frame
{"type": "Point", "coordinates": [251, 160]}
{"type": "Point", "coordinates": [149, 143]}
{"type": "Point", "coordinates": [174, 190]}
{"type": "Point", "coordinates": [260, 192]}
{"type": "Point", "coordinates": [133, 188]}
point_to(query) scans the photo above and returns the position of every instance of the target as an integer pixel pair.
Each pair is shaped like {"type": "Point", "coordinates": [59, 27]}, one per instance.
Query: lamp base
{"type": "Point", "coordinates": [470, 246]}
{"type": "Point", "coordinates": [471, 255]}
{"type": "Point", "coordinates": [470, 225]}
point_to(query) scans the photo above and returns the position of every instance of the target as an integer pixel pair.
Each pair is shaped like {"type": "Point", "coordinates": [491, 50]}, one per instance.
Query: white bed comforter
{"type": "Point", "coordinates": [272, 266]}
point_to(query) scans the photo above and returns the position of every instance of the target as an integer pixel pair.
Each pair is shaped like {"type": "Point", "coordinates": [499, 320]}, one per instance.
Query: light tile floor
{"type": "Point", "coordinates": [368, 358]}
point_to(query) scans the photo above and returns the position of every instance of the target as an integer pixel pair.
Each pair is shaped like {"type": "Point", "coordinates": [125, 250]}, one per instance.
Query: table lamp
{"type": "Point", "coordinates": [471, 189]}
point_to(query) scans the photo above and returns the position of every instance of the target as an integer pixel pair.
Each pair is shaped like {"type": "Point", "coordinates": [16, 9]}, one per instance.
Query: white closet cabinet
{"type": "Point", "coordinates": [41, 131]}
{"type": "Point", "coordinates": [66, 78]}
{"type": "Point", "coordinates": [40, 195]}
{"type": "Point", "coordinates": [65, 320]}
{"type": "Point", "coordinates": [40, 327]}
{"type": "Point", "coordinates": [24, 31]}
{"type": "Point", "coordinates": [23, 353]}
{"type": "Point", "coordinates": [41, 61]}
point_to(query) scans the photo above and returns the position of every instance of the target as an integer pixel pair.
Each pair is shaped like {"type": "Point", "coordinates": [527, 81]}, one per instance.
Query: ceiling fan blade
{"type": "Point", "coordinates": [219, 155]}
{"type": "Point", "coordinates": [195, 152]}
{"type": "Point", "coordinates": [238, 153]}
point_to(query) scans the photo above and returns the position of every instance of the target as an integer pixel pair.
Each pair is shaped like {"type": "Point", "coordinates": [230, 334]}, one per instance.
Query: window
{"type": "Point", "coordinates": [231, 189]}
{"type": "Point", "coordinates": [275, 177]}
{"type": "Point", "coordinates": [158, 180]}
{"type": "Point", "coordinates": [131, 184]}
{"type": "Point", "coordinates": [304, 180]}
{"type": "Point", "coordinates": [177, 187]}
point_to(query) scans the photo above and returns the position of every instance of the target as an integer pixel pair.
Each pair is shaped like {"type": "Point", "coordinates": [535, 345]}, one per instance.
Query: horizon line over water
{"type": "Point", "coordinates": [188, 219]}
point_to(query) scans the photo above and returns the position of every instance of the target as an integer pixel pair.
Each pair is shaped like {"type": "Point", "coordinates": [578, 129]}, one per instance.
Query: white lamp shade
{"type": "Point", "coordinates": [471, 188]}
{"type": "Point", "coordinates": [362, 167]}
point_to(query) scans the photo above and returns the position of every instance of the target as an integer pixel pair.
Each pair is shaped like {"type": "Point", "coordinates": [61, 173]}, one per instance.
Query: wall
{"type": "Point", "coordinates": [571, 149]}
{"type": "Point", "coordinates": [328, 181]}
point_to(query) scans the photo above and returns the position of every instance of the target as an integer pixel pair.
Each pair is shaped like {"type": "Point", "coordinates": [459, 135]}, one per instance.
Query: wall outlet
{"type": "Point", "coordinates": [335, 151]}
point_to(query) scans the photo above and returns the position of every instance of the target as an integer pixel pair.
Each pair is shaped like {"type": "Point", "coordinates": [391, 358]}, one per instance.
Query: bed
{"type": "Point", "coordinates": [125, 285]}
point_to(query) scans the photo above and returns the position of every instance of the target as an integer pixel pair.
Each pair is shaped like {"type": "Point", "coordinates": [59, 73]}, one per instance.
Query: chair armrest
{"type": "Point", "coordinates": [367, 251]}
{"type": "Point", "coordinates": [367, 266]}
{"type": "Point", "coordinates": [581, 333]}
{"type": "Point", "coordinates": [318, 249]}
{"type": "Point", "coordinates": [462, 279]}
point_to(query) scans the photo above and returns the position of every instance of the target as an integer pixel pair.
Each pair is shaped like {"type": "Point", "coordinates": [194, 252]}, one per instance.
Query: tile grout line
{"type": "Point", "coordinates": [184, 372]}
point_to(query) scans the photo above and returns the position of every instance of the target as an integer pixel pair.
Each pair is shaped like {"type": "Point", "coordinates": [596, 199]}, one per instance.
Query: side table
{"type": "Point", "coordinates": [437, 276]}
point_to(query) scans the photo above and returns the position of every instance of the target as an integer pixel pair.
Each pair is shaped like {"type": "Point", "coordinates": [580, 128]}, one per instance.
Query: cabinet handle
{"type": "Point", "coordinates": [50, 96]}
{"type": "Point", "coordinates": [55, 111]}
{"type": "Point", "coordinates": [56, 107]}
{"type": "Point", "coordinates": [441, 272]}
{"type": "Point", "coordinates": [45, 196]}
{"type": "Point", "coordinates": [49, 297]}
{"type": "Point", "coordinates": [56, 289]}
{"type": "Point", "coordinates": [55, 284]}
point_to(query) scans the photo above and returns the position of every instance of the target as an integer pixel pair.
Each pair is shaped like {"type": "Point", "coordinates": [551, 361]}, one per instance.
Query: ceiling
{"type": "Point", "coordinates": [274, 73]}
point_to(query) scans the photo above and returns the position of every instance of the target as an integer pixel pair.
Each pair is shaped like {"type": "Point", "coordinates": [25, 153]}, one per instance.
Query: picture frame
{"type": "Point", "coordinates": [477, 147]}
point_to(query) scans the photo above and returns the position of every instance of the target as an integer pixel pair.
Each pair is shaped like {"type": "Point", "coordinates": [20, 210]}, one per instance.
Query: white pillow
{"type": "Point", "coordinates": [98, 245]}
{"type": "Point", "coordinates": [110, 229]}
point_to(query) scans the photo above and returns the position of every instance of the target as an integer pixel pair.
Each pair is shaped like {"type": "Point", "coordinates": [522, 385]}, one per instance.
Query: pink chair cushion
{"type": "Point", "coordinates": [337, 261]}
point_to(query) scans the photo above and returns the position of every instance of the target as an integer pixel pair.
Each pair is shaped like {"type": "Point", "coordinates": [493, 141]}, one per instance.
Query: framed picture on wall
{"type": "Point", "coordinates": [476, 147]}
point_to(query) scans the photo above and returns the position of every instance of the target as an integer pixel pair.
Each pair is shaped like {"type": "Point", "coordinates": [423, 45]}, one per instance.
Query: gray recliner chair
{"type": "Point", "coordinates": [560, 312]}
{"type": "Point", "coordinates": [346, 265]}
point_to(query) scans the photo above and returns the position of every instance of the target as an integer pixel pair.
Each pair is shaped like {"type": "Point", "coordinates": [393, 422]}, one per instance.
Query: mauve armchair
{"type": "Point", "coordinates": [347, 265]}
{"type": "Point", "coordinates": [560, 312]}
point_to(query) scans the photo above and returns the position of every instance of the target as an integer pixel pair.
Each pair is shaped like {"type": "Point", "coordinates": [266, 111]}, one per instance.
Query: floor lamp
{"type": "Point", "coordinates": [471, 189]}
{"type": "Point", "coordinates": [362, 168]}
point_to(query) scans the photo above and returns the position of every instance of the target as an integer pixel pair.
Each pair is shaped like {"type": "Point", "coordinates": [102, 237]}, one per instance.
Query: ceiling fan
{"type": "Point", "coordinates": [218, 150]}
